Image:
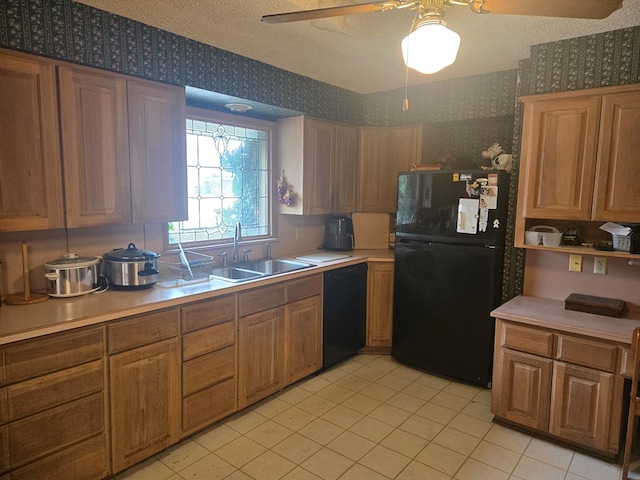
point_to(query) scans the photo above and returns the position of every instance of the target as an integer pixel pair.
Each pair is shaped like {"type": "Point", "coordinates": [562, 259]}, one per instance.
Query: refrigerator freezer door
{"type": "Point", "coordinates": [443, 297]}
{"type": "Point", "coordinates": [452, 207]}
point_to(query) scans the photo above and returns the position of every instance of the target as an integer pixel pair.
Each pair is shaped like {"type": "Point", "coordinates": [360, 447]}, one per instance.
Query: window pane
{"type": "Point", "coordinates": [228, 181]}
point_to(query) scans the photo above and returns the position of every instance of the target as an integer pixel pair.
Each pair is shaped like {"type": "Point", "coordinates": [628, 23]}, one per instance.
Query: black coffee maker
{"type": "Point", "coordinates": [338, 234]}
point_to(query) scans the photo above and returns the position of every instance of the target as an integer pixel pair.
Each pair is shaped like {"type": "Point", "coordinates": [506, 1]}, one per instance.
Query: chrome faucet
{"type": "Point", "coordinates": [236, 239]}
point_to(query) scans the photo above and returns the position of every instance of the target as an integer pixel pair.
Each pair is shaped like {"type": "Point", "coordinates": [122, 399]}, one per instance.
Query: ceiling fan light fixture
{"type": "Point", "coordinates": [430, 46]}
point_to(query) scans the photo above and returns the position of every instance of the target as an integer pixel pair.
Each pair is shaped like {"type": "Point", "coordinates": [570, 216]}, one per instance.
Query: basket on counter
{"type": "Point", "coordinates": [622, 242]}
{"type": "Point", "coordinates": [171, 268]}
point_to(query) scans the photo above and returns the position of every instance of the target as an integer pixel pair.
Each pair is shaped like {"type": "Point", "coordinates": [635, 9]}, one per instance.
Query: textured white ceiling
{"type": "Point", "coordinates": [359, 52]}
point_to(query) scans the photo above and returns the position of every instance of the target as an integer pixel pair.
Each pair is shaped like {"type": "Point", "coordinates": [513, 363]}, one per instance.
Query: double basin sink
{"type": "Point", "coordinates": [251, 270]}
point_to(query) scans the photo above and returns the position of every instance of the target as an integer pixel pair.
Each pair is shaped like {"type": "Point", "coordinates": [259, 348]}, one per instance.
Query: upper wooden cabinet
{"type": "Point", "coordinates": [579, 160]}
{"type": "Point", "coordinates": [30, 173]}
{"type": "Point", "coordinates": [319, 160]}
{"type": "Point", "coordinates": [95, 146]}
{"type": "Point", "coordinates": [384, 152]}
{"type": "Point", "coordinates": [122, 140]}
{"type": "Point", "coordinates": [124, 152]}
{"type": "Point", "coordinates": [157, 151]}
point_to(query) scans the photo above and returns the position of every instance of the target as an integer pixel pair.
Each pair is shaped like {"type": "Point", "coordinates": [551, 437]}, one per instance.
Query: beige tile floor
{"type": "Point", "coordinates": [369, 418]}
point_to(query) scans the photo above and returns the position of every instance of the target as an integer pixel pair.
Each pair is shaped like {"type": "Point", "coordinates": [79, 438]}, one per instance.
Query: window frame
{"type": "Point", "coordinates": [214, 116]}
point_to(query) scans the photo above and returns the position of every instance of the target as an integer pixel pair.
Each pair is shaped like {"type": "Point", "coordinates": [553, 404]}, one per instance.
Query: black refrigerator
{"type": "Point", "coordinates": [449, 254]}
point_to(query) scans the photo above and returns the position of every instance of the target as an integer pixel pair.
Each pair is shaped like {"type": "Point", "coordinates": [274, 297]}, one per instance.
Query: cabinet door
{"type": "Point", "coordinates": [379, 304]}
{"type": "Point", "coordinates": [157, 151]}
{"type": "Point", "coordinates": [522, 389]}
{"type": "Point", "coordinates": [95, 146]}
{"type": "Point", "coordinates": [303, 338]}
{"type": "Point", "coordinates": [558, 161]}
{"type": "Point", "coordinates": [319, 146]}
{"type": "Point", "coordinates": [345, 181]}
{"type": "Point", "coordinates": [617, 196]}
{"type": "Point", "coordinates": [374, 170]}
{"type": "Point", "coordinates": [407, 151]}
{"type": "Point", "coordinates": [260, 355]}
{"type": "Point", "coordinates": [145, 402]}
{"type": "Point", "coordinates": [30, 173]}
{"type": "Point", "coordinates": [581, 405]}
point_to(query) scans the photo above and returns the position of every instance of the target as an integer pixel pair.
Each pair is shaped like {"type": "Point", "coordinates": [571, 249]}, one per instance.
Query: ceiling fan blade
{"type": "Point", "coordinates": [331, 12]}
{"type": "Point", "coordinates": [595, 9]}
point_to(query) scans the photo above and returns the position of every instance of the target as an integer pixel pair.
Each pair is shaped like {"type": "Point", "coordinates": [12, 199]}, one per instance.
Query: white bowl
{"type": "Point", "coordinates": [532, 238]}
{"type": "Point", "coordinates": [551, 239]}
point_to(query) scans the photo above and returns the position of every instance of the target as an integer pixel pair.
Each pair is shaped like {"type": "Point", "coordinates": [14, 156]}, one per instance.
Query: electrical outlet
{"type": "Point", "coordinates": [600, 265]}
{"type": "Point", "coordinates": [575, 263]}
{"type": "Point", "coordinates": [299, 233]}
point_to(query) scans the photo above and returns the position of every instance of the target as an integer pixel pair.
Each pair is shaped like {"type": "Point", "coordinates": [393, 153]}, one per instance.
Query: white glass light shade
{"type": "Point", "coordinates": [430, 48]}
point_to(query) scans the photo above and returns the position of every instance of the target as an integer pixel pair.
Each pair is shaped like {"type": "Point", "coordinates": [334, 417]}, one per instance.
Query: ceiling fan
{"type": "Point", "coordinates": [430, 45]}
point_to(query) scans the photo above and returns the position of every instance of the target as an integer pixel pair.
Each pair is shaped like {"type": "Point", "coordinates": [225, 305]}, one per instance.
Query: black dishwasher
{"type": "Point", "coordinates": [344, 313]}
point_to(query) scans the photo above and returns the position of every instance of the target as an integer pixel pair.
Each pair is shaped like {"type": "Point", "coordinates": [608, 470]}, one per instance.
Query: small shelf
{"type": "Point", "coordinates": [583, 251]}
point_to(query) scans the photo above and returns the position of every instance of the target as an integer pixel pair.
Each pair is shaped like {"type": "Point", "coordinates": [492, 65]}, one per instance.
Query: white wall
{"type": "Point", "coordinates": [547, 275]}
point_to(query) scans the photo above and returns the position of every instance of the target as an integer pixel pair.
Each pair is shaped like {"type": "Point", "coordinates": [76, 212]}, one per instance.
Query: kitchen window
{"type": "Point", "coordinates": [228, 179]}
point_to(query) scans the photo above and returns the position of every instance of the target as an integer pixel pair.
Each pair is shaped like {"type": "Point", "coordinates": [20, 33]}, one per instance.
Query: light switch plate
{"type": "Point", "coordinates": [575, 263]}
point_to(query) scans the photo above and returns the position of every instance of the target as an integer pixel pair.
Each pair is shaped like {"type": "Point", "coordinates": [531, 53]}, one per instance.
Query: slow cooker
{"type": "Point", "coordinates": [72, 275]}
{"type": "Point", "coordinates": [131, 267]}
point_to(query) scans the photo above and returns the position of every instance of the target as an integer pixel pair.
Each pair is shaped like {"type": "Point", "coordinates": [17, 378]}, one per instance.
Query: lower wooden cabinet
{"type": "Point", "coordinates": [91, 402]}
{"type": "Point", "coordinates": [208, 362]}
{"type": "Point", "coordinates": [581, 405]}
{"type": "Point", "coordinates": [53, 407]}
{"type": "Point", "coordinates": [379, 304]}
{"type": "Point", "coordinates": [145, 386]}
{"type": "Point", "coordinates": [260, 355]}
{"type": "Point", "coordinates": [565, 386]}
{"type": "Point", "coordinates": [279, 337]}
{"type": "Point", "coordinates": [524, 389]}
{"type": "Point", "coordinates": [303, 338]}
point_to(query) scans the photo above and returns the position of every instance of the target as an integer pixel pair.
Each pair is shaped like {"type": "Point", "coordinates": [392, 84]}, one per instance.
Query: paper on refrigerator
{"type": "Point", "coordinates": [468, 215]}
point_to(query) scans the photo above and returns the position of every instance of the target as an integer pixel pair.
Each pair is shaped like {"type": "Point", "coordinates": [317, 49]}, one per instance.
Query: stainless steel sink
{"type": "Point", "coordinates": [275, 266]}
{"type": "Point", "coordinates": [244, 271]}
{"type": "Point", "coordinates": [232, 274]}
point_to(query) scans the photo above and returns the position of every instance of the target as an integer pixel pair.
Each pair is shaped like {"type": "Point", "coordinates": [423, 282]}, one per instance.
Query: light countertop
{"type": "Point", "coordinates": [19, 322]}
{"type": "Point", "coordinates": [548, 313]}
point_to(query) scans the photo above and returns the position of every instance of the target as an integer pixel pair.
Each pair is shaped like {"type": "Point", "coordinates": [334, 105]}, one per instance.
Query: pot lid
{"type": "Point", "coordinates": [72, 260]}
{"type": "Point", "coordinates": [131, 254]}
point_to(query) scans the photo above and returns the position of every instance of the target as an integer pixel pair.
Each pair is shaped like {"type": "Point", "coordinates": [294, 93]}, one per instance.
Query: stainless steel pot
{"type": "Point", "coordinates": [72, 275]}
{"type": "Point", "coordinates": [131, 267]}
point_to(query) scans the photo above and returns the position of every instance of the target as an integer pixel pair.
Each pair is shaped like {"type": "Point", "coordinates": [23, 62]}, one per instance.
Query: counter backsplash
{"type": "Point", "coordinates": [46, 245]}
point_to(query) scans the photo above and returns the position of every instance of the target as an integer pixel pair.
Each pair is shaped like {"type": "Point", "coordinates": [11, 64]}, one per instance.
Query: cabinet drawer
{"type": "Point", "coordinates": [303, 288]}
{"type": "Point", "coordinates": [524, 339]}
{"type": "Point", "coordinates": [589, 353]}
{"type": "Point", "coordinates": [143, 330]}
{"type": "Point", "coordinates": [39, 394]}
{"type": "Point", "coordinates": [40, 356]}
{"type": "Point", "coordinates": [626, 362]}
{"type": "Point", "coordinates": [208, 313]}
{"type": "Point", "coordinates": [260, 299]}
{"type": "Point", "coordinates": [80, 462]}
{"type": "Point", "coordinates": [207, 340]}
{"type": "Point", "coordinates": [207, 406]}
{"type": "Point", "coordinates": [4, 448]}
{"type": "Point", "coordinates": [208, 370]}
{"type": "Point", "coordinates": [44, 433]}
{"type": "Point", "coordinates": [4, 408]}
{"type": "Point", "coordinates": [3, 379]}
